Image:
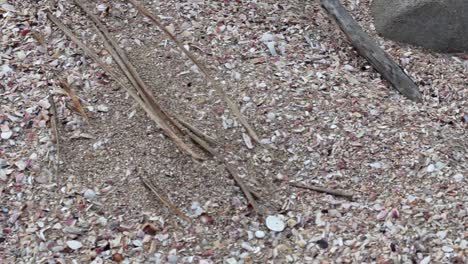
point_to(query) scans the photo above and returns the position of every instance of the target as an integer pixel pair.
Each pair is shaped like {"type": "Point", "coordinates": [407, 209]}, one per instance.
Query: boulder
{"type": "Point", "coordinates": [440, 25]}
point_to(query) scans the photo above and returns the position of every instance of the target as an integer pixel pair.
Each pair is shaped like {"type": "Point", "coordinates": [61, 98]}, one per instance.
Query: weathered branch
{"type": "Point", "coordinates": [378, 58]}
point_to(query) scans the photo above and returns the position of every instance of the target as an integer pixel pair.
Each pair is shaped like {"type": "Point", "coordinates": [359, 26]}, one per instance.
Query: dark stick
{"type": "Point", "coordinates": [378, 58]}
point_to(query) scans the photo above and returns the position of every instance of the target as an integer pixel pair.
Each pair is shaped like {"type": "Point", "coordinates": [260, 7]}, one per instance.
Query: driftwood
{"type": "Point", "coordinates": [378, 58]}
{"type": "Point", "coordinates": [323, 190]}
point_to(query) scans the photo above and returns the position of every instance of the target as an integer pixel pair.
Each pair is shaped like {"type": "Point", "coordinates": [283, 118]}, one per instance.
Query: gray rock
{"type": "Point", "coordinates": [441, 25]}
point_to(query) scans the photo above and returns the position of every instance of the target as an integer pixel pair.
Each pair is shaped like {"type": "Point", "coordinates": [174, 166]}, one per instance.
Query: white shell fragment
{"type": "Point", "coordinates": [259, 234]}
{"type": "Point", "coordinates": [274, 223]}
{"type": "Point", "coordinates": [74, 244]}
{"type": "Point", "coordinates": [247, 141]}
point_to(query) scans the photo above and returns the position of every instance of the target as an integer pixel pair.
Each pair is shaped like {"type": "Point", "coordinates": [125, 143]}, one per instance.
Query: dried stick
{"type": "Point", "coordinates": [135, 96]}
{"type": "Point", "coordinates": [165, 201]}
{"type": "Point", "coordinates": [323, 190]}
{"type": "Point", "coordinates": [75, 101]}
{"type": "Point", "coordinates": [202, 68]}
{"type": "Point", "coordinates": [55, 131]}
{"type": "Point", "coordinates": [196, 131]}
{"type": "Point", "coordinates": [246, 190]}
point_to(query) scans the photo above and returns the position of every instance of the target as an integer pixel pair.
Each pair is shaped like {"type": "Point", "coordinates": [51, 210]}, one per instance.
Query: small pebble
{"type": "Point", "coordinates": [463, 244]}
{"type": "Point", "coordinates": [271, 116]}
{"type": "Point", "coordinates": [57, 248]}
{"type": "Point", "coordinates": [323, 244]}
{"type": "Point", "coordinates": [348, 67]}
{"type": "Point", "coordinates": [291, 222]}
{"type": "Point", "coordinates": [172, 259]}
{"type": "Point", "coordinates": [103, 108]}
{"type": "Point", "coordinates": [89, 194]}
{"type": "Point", "coordinates": [259, 234]}
{"type": "Point", "coordinates": [431, 168]}
{"type": "Point", "coordinates": [426, 260]}
{"type": "Point", "coordinates": [442, 234]}
{"type": "Point", "coordinates": [231, 261]}
{"type": "Point", "coordinates": [7, 134]}
{"type": "Point", "coordinates": [458, 177]}
{"type": "Point", "coordinates": [447, 249]}
{"type": "Point", "coordinates": [102, 221]}
{"type": "Point", "coordinates": [137, 243]}
{"type": "Point", "coordinates": [279, 177]}
{"type": "Point", "coordinates": [74, 244]}
{"type": "Point", "coordinates": [247, 246]}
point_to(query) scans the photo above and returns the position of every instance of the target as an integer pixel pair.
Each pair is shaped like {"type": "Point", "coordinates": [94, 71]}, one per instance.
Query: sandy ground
{"type": "Point", "coordinates": [324, 115]}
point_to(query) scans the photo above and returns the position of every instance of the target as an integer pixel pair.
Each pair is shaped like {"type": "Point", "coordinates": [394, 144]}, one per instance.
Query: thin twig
{"type": "Point", "coordinates": [202, 68]}
{"type": "Point", "coordinates": [323, 190]}
{"type": "Point", "coordinates": [196, 131]}
{"type": "Point", "coordinates": [165, 201]}
{"type": "Point", "coordinates": [55, 131]}
{"type": "Point", "coordinates": [246, 190]}
{"type": "Point", "coordinates": [135, 96]}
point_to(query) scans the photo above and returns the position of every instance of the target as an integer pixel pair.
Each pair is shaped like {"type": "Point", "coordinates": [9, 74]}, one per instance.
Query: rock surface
{"type": "Point", "coordinates": [441, 25]}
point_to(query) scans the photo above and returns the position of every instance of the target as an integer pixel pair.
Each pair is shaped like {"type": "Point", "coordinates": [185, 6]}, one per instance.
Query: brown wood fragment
{"type": "Point", "coordinates": [196, 131]}
{"type": "Point", "coordinates": [165, 200]}
{"type": "Point", "coordinates": [378, 58]}
{"type": "Point", "coordinates": [323, 190]}
{"type": "Point", "coordinates": [75, 100]}
{"type": "Point", "coordinates": [55, 132]}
